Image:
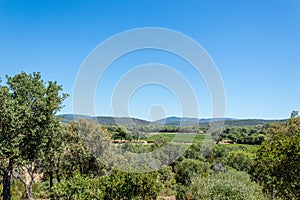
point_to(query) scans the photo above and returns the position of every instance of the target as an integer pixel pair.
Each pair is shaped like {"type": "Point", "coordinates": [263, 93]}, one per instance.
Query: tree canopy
{"type": "Point", "coordinates": [27, 111]}
{"type": "Point", "coordinates": [277, 164]}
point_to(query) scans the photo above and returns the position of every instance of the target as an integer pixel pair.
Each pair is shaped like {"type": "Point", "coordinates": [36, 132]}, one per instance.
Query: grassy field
{"type": "Point", "coordinates": [188, 138]}
{"type": "Point", "coordinates": [178, 138]}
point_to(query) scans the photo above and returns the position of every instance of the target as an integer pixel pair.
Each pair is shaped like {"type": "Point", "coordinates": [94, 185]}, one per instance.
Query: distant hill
{"type": "Point", "coordinates": [169, 121]}
{"type": "Point", "coordinates": [250, 122]}
{"type": "Point", "coordinates": [104, 120]}
{"type": "Point", "coordinates": [185, 121]}
{"type": "Point", "coordinates": [177, 121]}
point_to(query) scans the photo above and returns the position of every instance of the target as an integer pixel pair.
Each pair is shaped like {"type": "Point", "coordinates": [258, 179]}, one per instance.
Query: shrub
{"type": "Point", "coordinates": [78, 187]}
{"type": "Point", "coordinates": [229, 185]}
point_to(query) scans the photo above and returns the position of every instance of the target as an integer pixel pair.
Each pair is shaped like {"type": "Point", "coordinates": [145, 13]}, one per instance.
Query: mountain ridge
{"type": "Point", "coordinates": [170, 121]}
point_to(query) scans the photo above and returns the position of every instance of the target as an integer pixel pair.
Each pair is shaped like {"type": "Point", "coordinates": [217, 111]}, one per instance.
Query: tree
{"type": "Point", "coordinates": [119, 132]}
{"type": "Point", "coordinates": [167, 177]}
{"type": "Point", "coordinates": [72, 149]}
{"type": "Point", "coordinates": [240, 160]}
{"type": "Point", "coordinates": [51, 154]}
{"type": "Point", "coordinates": [137, 135]}
{"type": "Point", "coordinates": [159, 141]}
{"type": "Point", "coordinates": [189, 168]}
{"type": "Point", "coordinates": [195, 151]}
{"type": "Point", "coordinates": [27, 112]}
{"type": "Point", "coordinates": [277, 164]}
{"type": "Point", "coordinates": [90, 146]}
{"type": "Point", "coordinates": [294, 114]}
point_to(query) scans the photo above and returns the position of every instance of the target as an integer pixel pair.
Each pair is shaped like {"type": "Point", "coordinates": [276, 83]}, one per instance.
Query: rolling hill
{"type": "Point", "coordinates": [170, 121]}
{"type": "Point", "coordinates": [104, 120]}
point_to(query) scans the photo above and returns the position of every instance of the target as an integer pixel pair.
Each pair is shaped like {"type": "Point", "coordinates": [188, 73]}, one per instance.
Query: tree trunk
{"type": "Point", "coordinates": [80, 169]}
{"type": "Point", "coordinates": [51, 179]}
{"type": "Point", "coordinates": [32, 181]}
{"type": "Point", "coordinates": [18, 175]}
{"type": "Point", "coordinates": [6, 181]}
{"type": "Point", "coordinates": [57, 176]}
{"type": "Point", "coordinates": [26, 191]}
{"type": "Point", "coordinates": [30, 189]}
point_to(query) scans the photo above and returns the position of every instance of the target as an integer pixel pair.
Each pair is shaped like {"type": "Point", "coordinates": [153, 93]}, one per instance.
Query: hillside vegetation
{"type": "Point", "coordinates": [44, 158]}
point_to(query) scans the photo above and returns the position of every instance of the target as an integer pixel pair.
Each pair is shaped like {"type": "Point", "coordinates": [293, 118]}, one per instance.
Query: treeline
{"type": "Point", "coordinates": [245, 135]}
{"type": "Point", "coordinates": [253, 135]}
{"type": "Point", "coordinates": [162, 129]}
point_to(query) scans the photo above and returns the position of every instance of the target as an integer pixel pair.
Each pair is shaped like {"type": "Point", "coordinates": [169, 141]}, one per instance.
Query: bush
{"type": "Point", "coordinates": [123, 185]}
{"type": "Point", "coordinates": [240, 160]}
{"type": "Point", "coordinates": [118, 185]}
{"type": "Point", "coordinates": [229, 185]}
{"type": "Point", "coordinates": [189, 168]}
{"type": "Point", "coordinates": [79, 187]}
{"type": "Point", "coordinates": [167, 177]}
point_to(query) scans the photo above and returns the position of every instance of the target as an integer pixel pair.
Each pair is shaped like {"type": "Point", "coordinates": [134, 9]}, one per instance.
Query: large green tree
{"type": "Point", "coordinates": [84, 149]}
{"type": "Point", "coordinates": [27, 114]}
{"type": "Point", "coordinates": [277, 165]}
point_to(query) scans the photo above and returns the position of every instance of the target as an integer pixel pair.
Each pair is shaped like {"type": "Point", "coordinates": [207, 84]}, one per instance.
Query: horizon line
{"type": "Point", "coordinates": [204, 118]}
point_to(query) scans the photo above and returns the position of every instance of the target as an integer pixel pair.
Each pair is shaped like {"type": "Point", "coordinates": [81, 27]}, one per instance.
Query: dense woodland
{"type": "Point", "coordinates": [42, 157]}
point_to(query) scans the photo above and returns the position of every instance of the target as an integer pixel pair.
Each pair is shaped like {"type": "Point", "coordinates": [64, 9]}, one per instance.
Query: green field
{"type": "Point", "coordinates": [178, 138]}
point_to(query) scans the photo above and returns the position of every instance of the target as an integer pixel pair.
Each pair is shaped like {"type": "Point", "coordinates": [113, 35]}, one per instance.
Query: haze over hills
{"type": "Point", "coordinates": [171, 121]}
{"type": "Point", "coordinates": [185, 121]}
{"type": "Point", "coordinates": [104, 120]}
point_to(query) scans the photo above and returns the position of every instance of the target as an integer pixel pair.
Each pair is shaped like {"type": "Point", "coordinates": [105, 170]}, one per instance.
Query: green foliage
{"type": "Point", "coordinates": [123, 185]}
{"type": "Point", "coordinates": [237, 156]}
{"type": "Point", "coordinates": [94, 137]}
{"type": "Point", "coordinates": [200, 150]}
{"type": "Point", "coordinates": [295, 113]}
{"type": "Point", "coordinates": [37, 152]}
{"type": "Point", "coordinates": [240, 160]}
{"type": "Point", "coordinates": [277, 164]}
{"type": "Point", "coordinates": [136, 148]}
{"type": "Point", "coordinates": [189, 168]}
{"type": "Point", "coordinates": [84, 143]}
{"type": "Point", "coordinates": [167, 178]}
{"type": "Point", "coordinates": [27, 117]}
{"type": "Point", "coordinates": [227, 185]}
{"type": "Point", "coordinates": [79, 187]}
{"type": "Point", "coordinates": [137, 135]}
{"type": "Point", "coordinates": [178, 137]}
{"type": "Point", "coordinates": [245, 147]}
{"type": "Point", "coordinates": [159, 141]}
{"type": "Point", "coordinates": [118, 185]}
{"type": "Point", "coordinates": [157, 137]}
{"type": "Point", "coordinates": [27, 112]}
{"type": "Point", "coordinates": [245, 135]}
{"type": "Point", "coordinates": [195, 151]}
{"type": "Point", "coordinates": [119, 132]}
{"type": "Point", "coordinates": [164, 129]}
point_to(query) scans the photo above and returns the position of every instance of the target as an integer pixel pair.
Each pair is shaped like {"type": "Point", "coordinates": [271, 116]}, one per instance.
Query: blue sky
{"type": "Point", "coordinates": [255, 45]}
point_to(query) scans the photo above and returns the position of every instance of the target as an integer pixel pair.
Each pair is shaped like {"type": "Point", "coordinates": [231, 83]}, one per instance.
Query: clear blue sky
{"type": "Point", "coordinates": [255, 45]}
